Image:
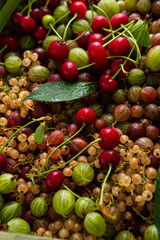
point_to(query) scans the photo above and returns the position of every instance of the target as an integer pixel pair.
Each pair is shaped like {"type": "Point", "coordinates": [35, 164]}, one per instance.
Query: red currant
{"type": "Point", "coordinates": [85, 115]}
{"type": "Point", "coordinates": [110, 138]}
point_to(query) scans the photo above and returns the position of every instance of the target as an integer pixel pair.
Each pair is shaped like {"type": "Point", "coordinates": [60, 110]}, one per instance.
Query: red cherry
{"type": "Point", "coordinates": [154, 161]}
{"type": "Point", "coordinates": [46, 11]}
{"type": "Point", "coordinates": [115, 65]}
{"type": "Point", "coordinates": [119, 47]}
{"type": "Point", "coordinates": [56, 137]}
{"type": "Point", "coordinates": [58, 51]}
{"type": "Point", "coordinates": [97, 53]}
{"type": "Point", "coordinates": [11, 41]}
{"type": "Point", "coordinates": [109, 156]}
{"type": "Point", "coordinates": [53, 3]}
{"type": "Point", "coordinates": [54, 180]}
{"type": "Point", "coordinates": [16, 16]}
{"type": "Point", "coordinates": [96, 37]}
{"type": "Point", "coordinates": [100, 67]}
{"type": "Point", "coordinates": [85, 115]}
{"type": "Point", "coordinates": [107, 84]}
{"type": "Point", "coordinates": [119, 19]}
{"type": "Point", "coordinates": [69, 2]}
{"type": "Point", "coordinates": [36, 14]}
{"type": "Point", "coordinates": [69, 71]}
{"type": "Point", "coordinates": [83, 41]}
{"type": "Point", "coordinates": [110, 138]}
{"type": "Point", "coordinates": [100, 22]}
{"type": "Point", "coordinates": [3, 161]}
{"type": "Point", "coordinates": [79, 8]}
{"type": "Point", "coordinates": [39, 33]}
{"type": "Point", "coordinates": [27, 24]}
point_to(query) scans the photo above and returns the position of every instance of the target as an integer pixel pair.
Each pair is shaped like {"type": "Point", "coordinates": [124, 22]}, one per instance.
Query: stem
{"type": "Point", "coordinates": [59, 19]}
{"type": "Point", "coordinates": [72, 19]}
{"type": "Point", "coordinates": [76, 195]}
{"type": "Point", "coordinates": [103, 185]}
{"type": "Point", "coordinates": [83, 125]}
{"type": "Point", "coordinates": [23, 10]}
{"type": "Point", "coordinates": [97, 140]}
{"type": "Point", "coordinates": [29, 8]}
{"type": "Point", "coordinates": [51, 25]}
{"type": "Point", "coordinates": [112, 32]}
{"type": "Point", "coordinates": [1, 63]}
{"type": "Point", "coordinates": [129, 59]}
{"type": "Point", "coordinates": [5, 46]}
{"type": "Point", "coordinates": [80, 68]}
{"type": "Point", "coordinates": [46, 5]}
{"type": "Point", "coordinates": [34, 120]}
{"type": "Point", "coordinates": [84, 31]}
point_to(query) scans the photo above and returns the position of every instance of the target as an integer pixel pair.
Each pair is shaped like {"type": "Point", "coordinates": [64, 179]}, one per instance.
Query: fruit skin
{"type": "Point", "coordinates": [79, 56]}
{"type": "Point", "coordinates": [124, 235]}
{"type": "Point", "coordinates": [54, 180]}
{"type": "Point", "coordinates": [7, 183]}
{"type": "Point", "coordinates": [117, 19]}
{"type": "Point", "coordinates": [58, 51]}
{"type": "Point", "coordinates": [1, 201]}
{"type": "Point", "coordinates": [69, 71]}
{"type": "Point", "coordinates": [95, 224]}
{"type": "Point", "coordinates": [39, 207]}
{"type": "Point", "coordinates": [153, 59]}
{"type": "Point", "coordinates": [109, 156]}
{"type": "Point", "coordinates": [85, 115]}
{"type": "Point", "coordinates": [97, 53]}
{"type": "Point", "coordinates": [38, 73]}
{"type": "Point", "coordinates": [3, 161]}
{"type": "Point", "coordinates": [83, 206]}
{"type": "Point", "coordinates": [27, 24]}
{"type": "Point", "coordinates": [151, 232]}
{"type": "Point", "coordinates": [13, 64]}
{"type": "Point", "coordinates": [18, 225]}
{"type": "Point", "coordinates": [110, 7]}
{"type": "Point", "coordinates": [82, 174]}
{"type": "Point", "coordinates": [11, 210]}
{"type": "Point", "coordinates": [136, 77]}
{"type": "Point", "coordinates": [119, 47]}
{"type": "Point", "coordinates": [110, 138]}
{"type": "Point", "coordinates": [63, 202]}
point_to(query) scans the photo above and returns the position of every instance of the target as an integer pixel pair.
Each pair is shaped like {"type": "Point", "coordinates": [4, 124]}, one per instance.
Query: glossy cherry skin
{"type": "Point", "coordinates": [42, 55]}
{"type": "Point", "coordinates": [97, 53]}
{"type": "Point", "coordinates": [107, 84]}
{"type": "Point", "coordinates": [58, 51]}
{"type": "Point", "coordinates": [85, 115]}
{"type": "Point", "coordinates": [119, 47]}
{"type": "Point", "coordinates": [100, 22]}
{"type": "Point", "coordinates": [154, 161]}
{"type": "Point", "coordinates": [27, 24]}
{"type": "Point", "coordinates": [110, 138]}
{"type": "Point", "coordinates": [79, 8]}
{"type": "Point", "coordinates": [69, 71]}
{"type": "Point", "coordinates": [3, 161]}
{"type": "Point", "coordinates": [96, 37]}
{"type": "Point", "coordinates": [36, 14]}
{"type": "Point", "coordinates": [46, 11]}
{"type": "Point", "coordinates": [119, 19]}
{"type": "Point", "coordinates": [115, 65]}
{"type": "Point", "coordinates": [54, 180]}
{"type": "Point", "coordinates": [16, 16]}
{"type": "Point", "coordinates": [109, 156]}
{"type": "Point", "coordinates": [53, 3]}
{"type": "Point", "coordinates": [11, 41]}
{"type": "Point", "coordinates": [39, 33]}
{"type": "Point", "coordinates": [99, 67]}
{"type": "Point", "coordinates": [83, 41]}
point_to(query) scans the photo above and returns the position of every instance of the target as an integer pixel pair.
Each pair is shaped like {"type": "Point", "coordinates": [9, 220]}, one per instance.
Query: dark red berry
{"type": "Point", "coordinates": [24, 170]}
{"type": "Point", "coordinates": [107, 84]}
{"type": "Point", "coordinates": [109, 156]}
{"type": "Point", "coordinates": [44, 145]}
{"type": "Point", "coordinates": [46, 11]}
{"type": "Point", "coordinates": [11, 42]}
{"type": "Point", "coordinates": [27, 24]}
{"type": "Point", "coordinates": [54, 77]}
{"type": "Point", "coordinates": [3, 72]}
{"type": "Point", "coordinates": [97, 53]}
{"type": "Point", "coordinates": [16, 16]}
{"type": "Point", "coordinates": [69, 71]}
{"type": "Point", "coordinates": [90, 99]}
{"type": "Point", "coordinates": [99, 124]}
{"type": "Point", "coordinates": [100, 22]}
{"type": "Point", "coordinates": [72, 129]}
{"type": "Point", "coordinates": [39, 110]}
{"type": "Point", "coordinates": [58, 51]}
{"type": "Point", "coordinates": [85, 115]}
{"type": "Point", "coordinates": [154, 161]}
{"type": "Point", "coordinates": [99, 66]}
{"type": "Point", "coordinates": [77, 145]}
{"type": "Point", "coordinates": [42, 55]}
{"type": "Point", "coordinates": [83, 41]}
{"type": "Point", "coordinates": [53, 3]}
{"type": "Point", "coordinates": [119, 19]}
{"type": "Point", "coordinates": [115, 66]}
{"type": "Point", "coordinates": [54, 180]}
{"type": "Point", "coordinates": [135, 131]}
{"type": "Point", "coordinates": [39, 33]}
{"type": "Point", "coordinates": [119, 47]}
{"type": "Point", "coordinates": [78, 8]}
{"type": "Point", "coordinates": [3, 161]}
{"type": "Point", "coordinates": [27, 216]}
{"type": "Point", "coordinates": [96, 37]}
{"type": "Point", "coordinates": [56, 137]}
{"type": "Point", "coordinates": [14, 119]}
{"type": "Point", "coordinates": [36, 14]}
{"type": "Point", "coordinates": [110, 138]}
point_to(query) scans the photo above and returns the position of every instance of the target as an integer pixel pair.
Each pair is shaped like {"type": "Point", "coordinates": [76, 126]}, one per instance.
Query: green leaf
{"type": "Point", "coordinates": [39, 134]}
{"type": "Point", "coordinates": [143, 39]}
{"type": "Point", "coordinates": [157, 202]}
{"type": "Point", "coordinates": [6, 12]}
{"type": "Point", "coordinates": [62, 91]}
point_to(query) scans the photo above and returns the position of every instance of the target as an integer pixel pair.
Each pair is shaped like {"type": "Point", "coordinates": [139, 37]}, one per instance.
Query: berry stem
{"type": "Point", "coordinates": [97, 140]}
{"type": "Point", "coordinates": [66, 141]}
{"type": "Point", "coordinates": [51, 25]}
{"type": "Point", "coordinates": [59, 19]}
{"type": "Point", "coordinates": [84, 31]}
{"type": "Point", "coordinates": [103, 185]}
{"type": "Point", "coordinates": [29, 8]}
{"type": "Point", "coordinates": [46, 5]}
{"type": "Point", "coordinates": [72, 19]}
{"type": "Point", "coordinates": [5, 46]}
{"type": "Point", "coordinates": [129, 59]}
{"type": "Point", "coordinates": [76, 195]}
{"type": "Point", "coordinates": [24, 9]}
{"type": "Point", "coordinates": [112, 32]}
{"type": "Point", "coordinates": [34, 120]}
{"type": "Point", "coordinates": [89, 65]}
{"type": "Point", "coordinates": [1, 63]}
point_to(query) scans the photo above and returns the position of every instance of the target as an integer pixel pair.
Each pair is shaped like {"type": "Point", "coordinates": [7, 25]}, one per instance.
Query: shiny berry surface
{"type": "Point", "coordinates": [110, 138]}
{"type": "Point", "coordinates": [85, 115]}
{"type": "Point", "coordinates": [54, 180]}
{"type": "Point", "coordinates": [109, 156]}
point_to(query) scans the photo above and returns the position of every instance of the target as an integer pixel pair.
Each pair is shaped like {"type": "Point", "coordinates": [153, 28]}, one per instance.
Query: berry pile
{"type": "Point", "coordinates": [84, 164]}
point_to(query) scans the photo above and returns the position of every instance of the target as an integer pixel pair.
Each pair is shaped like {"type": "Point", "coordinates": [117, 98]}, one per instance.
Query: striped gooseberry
{"type": "Point", "coordinates": [83, 206]}
{"type": "Point", "coordinates": [82, 174]}
{"type": "Point", "coordinates": [39, 207]}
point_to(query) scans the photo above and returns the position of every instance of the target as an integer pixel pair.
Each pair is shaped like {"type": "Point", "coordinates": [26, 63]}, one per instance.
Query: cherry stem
{"type": "Point", "coordinates": [66, 141]}
{"type": "Point", "coordinates": [34, 120]}
{"type": "Point", "coordinates": [5, 46]}
{"type": "Point", "coordinates": [66, 29]}
{"type": "Point", "coordinates": [89, 65]}
{"type": "Point", "coordinates": [76, 195]}
{"type": "Point", "coordinates": [29, 8]}
{"type": "Point", "coordinates": [84, 31]}
{"type": "Point", "coordinates": [59, 19]}
{"type": "Point", "coordinates": [129, 59]}
{"type": "Point", "coordinates": [51, 25]}
{"type": "Point", "coordinates": [23, 10]}
{"type": "Point", "coordinates": [112, 32]}
{"type": "Point", "coordinates": [46, 5]}
{"type": "Point", "coordinates": [1, 63]}
{"type": "Point", "coordinates": [103, 184]}
{"type": "Point", "coordinates": [97, 140]}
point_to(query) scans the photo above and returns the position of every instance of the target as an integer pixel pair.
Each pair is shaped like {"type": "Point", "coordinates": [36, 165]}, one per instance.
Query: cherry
{"type": "Point", "coordinates": [42, 55]}
{"type": "Point", "coordinates": [77, 145]}
{"type": "Point", "coordinates": [56, 137]}
{"type": "Point", "coordinates": [16, 16]}
{"type": "Point", "coordinates": [90, 99]}
{"type": "Point", "coordinates": [36, 14]}
{"type": "Point", "coordinates": [69, 2]}
{"type": "Point", "coordinates": [79, 8]}
{"type": "Point", "coordinates": [119, 19]}
{"type": "Point", "coordinates": [119, 47]}
{"type": "Point", "coordinates": [96, 37]}
{"type": "Point", "coordinates": [3, 72]}
{"type": "Point", "coordinates": [44, 145]}
{"type": "Point", "coordinates": [27, 24]}
{"type": "Point", "coordinates": [54, 77]}
{"type": "Point", "coordinates": [83, 41]}
{"type": "Point", "coordinates": [85, 115]}
{"type": "Point", "coordinates": [54, 180]}
{"type": "Point", "coordinates": [107, 84]}
{"type": "Point", "coordinates": [69, 71]}
{"type": "Point", "coordinates": [154, 161]}
{"type": "Point", "coordinates": [58, 50]}
{"type": "Point", "coordinates": [3, 161]}
{"type": "Point", "coordinates": [11, 41]}
{"type": "Point", "coordinates": [115, 65]}
{"type": "Point", "coordinates": [100, 67]}
{"type": "Point", "coordinates": [100, 22]}
{"type": "Point", "coordinates": [97, 52]}
{"type": "Point", "coordinates": [110, 138]}
{"type": "Point", "coordinates": [39, 33]}
{"type": "Point", "coordinates": [109, 156]}
{"type": "Point", "coordinates": [46, 11]}
{"type": "Point", "coordinates": [53, 3]}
